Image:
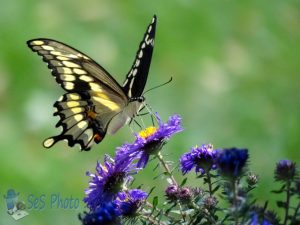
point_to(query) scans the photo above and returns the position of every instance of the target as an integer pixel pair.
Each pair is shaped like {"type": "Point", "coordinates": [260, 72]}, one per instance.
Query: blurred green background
{"type": "Point", "coordinates": [235, 68]}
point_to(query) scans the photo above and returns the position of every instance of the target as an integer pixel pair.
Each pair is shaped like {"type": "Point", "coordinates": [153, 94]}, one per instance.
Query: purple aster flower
{"type": "Point", "coordinates": [149, 141]}
{"type": "Point", "coordinates": [185, 195]}
{"type": "Point", "coordinates": [106, 182]}
{"type": "Point", "coordinates": [107, 214]}
{"type": "Point", "coordinates": [285, 170]}
{"type": "Point", "coordinates": [261, 216]}
{"type": "Point", "coordinates": [172, 192]}
{"type": "Point", "coordinates": [255, 221]}
{"type": "Point", "coordinates": [130, 202]}
{"type": "Point", "coordinates": [202, 158]}
{"type": "Point", "coordinates": [231, 162]}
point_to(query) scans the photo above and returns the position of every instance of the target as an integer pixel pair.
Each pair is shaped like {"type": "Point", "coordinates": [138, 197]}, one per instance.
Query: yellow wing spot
{"type": "Point", "coordinates": [101, 95]}
{"type": "Point", "coordinates": [95, 87]}
{"type": "Point", "coordinates": [79, 71]}
{"type": "Point", "coordinates": [82, 124]}
{"type": "Point", "coordinates": [134, 72]}
{"type": "Point", "coordinates": [76, 110]}
{"type": "Point", "coordinates": [67, 77]}
{"type": "Point", "coordinates": [64, 70]}
{"type": "Point", "coordinates": [137, 63]}
{"type": "Point", "coordinates": [56, 53]}
{"type": "Point", "coordinates": [74, 96]}
{"type": "Point", "coordinates": [107, 103]}
{"type": "Point", "coordinates": [62, 58]}
{"type": "Point", "coordinates": [86, 78]}
{"type": "Point", "coordinates": [71, 56]}
{"type": "Point", "coordinates": [37, 42]}
{"type": "Point", "coordinates": [73, 104]}
{"type": "Point", "coordinates": [49, 142]}
{"type": "Point", "coordinates": [47, 47]}
{"type": "Point", "coordinates": [83, 56]}
{"type": "Point", "coordinates": [141, 54]}
{"type": "Point", "coordinates": [69, 85]}
{"type": "Point", "coordinates": [78, 117]}
{"type": "Point", "coordinates": [70, 64]}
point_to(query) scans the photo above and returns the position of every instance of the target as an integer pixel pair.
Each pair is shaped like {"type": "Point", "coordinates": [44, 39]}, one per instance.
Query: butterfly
{"type": "Point", "coordinates": [94, 103]}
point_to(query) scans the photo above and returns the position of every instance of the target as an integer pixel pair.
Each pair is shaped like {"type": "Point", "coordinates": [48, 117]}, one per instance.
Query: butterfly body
{"type": "Point", "coordinates": [94, 103]}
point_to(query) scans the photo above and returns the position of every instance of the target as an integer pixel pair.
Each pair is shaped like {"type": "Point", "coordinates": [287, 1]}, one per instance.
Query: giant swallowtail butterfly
{"type": "Point", "coordinates": [94, 103]}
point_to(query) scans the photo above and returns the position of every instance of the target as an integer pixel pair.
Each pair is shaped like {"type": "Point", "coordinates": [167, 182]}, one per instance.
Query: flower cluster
{"type": "Point", "coordinates": [108, 196]}
{"type": "Point", "coordinates": [223, 177]}
{"type": "Point", "coordinates": [201, 158]}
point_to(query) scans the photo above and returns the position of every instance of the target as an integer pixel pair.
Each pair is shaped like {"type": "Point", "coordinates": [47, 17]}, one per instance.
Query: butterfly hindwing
{"type": "Point", "coordinates": [136, 78]}
{"type": "Point", "coordinates": [84, 118]}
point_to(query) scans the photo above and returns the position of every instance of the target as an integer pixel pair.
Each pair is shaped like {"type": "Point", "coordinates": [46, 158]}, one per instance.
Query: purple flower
{"type": "Point", "coordinates": [149, 141]}
{"type": "Point", "coordinates": [261, 216]}
{"type": "Point", "coordinates": [285, 170]}
{"type": "Point", "coordinates": [202, 158]}
{"type": "Point", "coordinates": [107, 214]}
{"type": "Point", "coordinates": [255, 221]}
{"type": "Point", "coordinates": [131, 201]}
{"type": "Point", "coordinates": [172, 192]}
{"type": "Point", "coordinates": [231, 162]}
{"type": "Point", "coordinates": [106, 182]}
{"type": "Point", "coordinates": [185, 195]}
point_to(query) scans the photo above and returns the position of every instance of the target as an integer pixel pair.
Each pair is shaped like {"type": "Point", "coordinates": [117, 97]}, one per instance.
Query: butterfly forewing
{"type": "Point", "coordinates": [73, 70]}
{"type": "Point", "coordinates": [136, 78]}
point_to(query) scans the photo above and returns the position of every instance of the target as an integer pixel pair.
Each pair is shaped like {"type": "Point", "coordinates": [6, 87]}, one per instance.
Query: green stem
{"type": "Point", "coordinates": [288, 196]}
{"type": "Point", "coordinates": [235, 201]}
{"type": "Point", "coordinates": [207, 214]}
{"type": "Point", "coordinates": [159, 211]}
{"type": "Point", "coordinates": [209, 183]}
{"type": "Point", "coordinates": [166, 167]}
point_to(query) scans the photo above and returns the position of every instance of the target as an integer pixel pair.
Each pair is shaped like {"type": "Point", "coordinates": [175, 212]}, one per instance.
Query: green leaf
{"type": "Point", "coordinates": [216, 189]}
{"type": "Point", "coordinates": [183, 182]}
{"type": "Point", "coordinates": [282, 189]}
{"type": "Point", "coordinates": [281, 204]}
{"type": "Point", "coordinates": [151, 190]}
{"type": "Point", "coordinates": [155, 201]}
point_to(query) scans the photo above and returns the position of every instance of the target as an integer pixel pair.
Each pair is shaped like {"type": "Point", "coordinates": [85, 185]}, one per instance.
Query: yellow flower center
{"type": "Point", "coordinates": [147, 132]}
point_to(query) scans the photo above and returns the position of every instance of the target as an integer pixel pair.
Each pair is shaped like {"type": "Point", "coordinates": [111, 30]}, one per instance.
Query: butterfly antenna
{"type": "Point", "coordinates": [158, 86]}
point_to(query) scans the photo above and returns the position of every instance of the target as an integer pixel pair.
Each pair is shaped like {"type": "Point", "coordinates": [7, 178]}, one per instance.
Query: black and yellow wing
{"type": "Point", "coordinates": [94, 102]}
{"type": "Point", "coordinates": [93, 97]}
{"type": "Point", "coordinates": [136, 78]}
